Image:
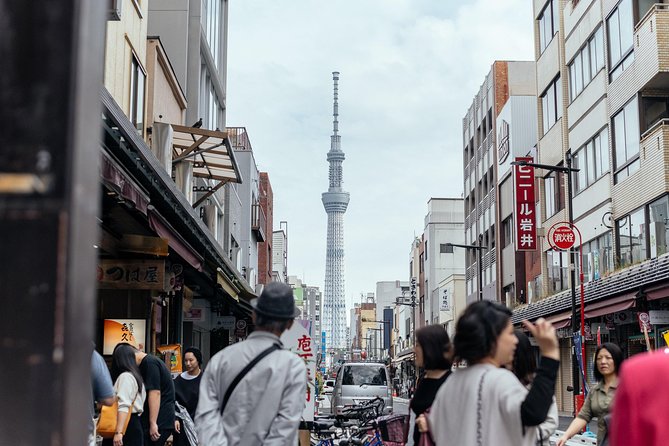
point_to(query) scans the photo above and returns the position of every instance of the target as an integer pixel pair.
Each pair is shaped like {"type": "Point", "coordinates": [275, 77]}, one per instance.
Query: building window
{"type": "Point", "coordinates": [137, 89]}
{"type": "Point", "coordinates": [593, 161]}
{"type": "Point", "coordinates": [658, 218]}
{"type": "Point", "coordinates": [551, 104]}
{"type": "Point", "coordinates": [597, 258]}
{"type": "Point", "coordinates": [558, 270]}
{"type": "Point", "coordinates": [586, 64]}
{"type": "Point", "coordinates": [445, 248]}
{"type": "Point", "coordinates": [620, 38]}
{"type": "Point", "coordinates": [653, 110]}
{"type": "Point", "coordinates": [554, 193]}
{"type": "Point", "coordinates": [211, 16]}
{"type": "Point", "coordinates": [626, 141]}
{"type": "Point", "coordinates": [548, 24]}
{"type": "Point", "coordinates": [631, 238]}
{"type": "Point", "coordinates": [507, 232]}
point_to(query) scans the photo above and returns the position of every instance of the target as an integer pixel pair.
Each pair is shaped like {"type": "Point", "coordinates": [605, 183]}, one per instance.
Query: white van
{"type": "Point", "coordinates": [361, 381]}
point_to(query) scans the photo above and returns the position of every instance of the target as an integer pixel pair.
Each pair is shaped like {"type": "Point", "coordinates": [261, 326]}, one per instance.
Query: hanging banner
{"type": "Point", "coordinates": [298, 340]}
{"type": "Point", "coordinates": [172, 358]}
{"type": "Point", "coordinates": [525, 209]}
{"type": "Point", "coordinates": [579, 359]}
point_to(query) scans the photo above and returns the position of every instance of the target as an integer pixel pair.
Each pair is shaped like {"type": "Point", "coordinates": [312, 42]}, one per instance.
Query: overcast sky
{"type": "Point", "coordinates": [409, 71]}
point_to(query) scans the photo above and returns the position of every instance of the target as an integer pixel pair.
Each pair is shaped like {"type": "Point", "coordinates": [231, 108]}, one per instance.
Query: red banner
{"type": "Point", "coordinates": [525, 214]}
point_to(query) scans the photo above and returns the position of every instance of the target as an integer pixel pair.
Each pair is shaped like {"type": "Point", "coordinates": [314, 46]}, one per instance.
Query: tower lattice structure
{"type": "Point", "coordinates": [335, 201]}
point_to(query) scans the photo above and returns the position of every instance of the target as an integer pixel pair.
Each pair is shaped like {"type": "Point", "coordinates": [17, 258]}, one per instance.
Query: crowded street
{"type": "Point", "coordinates": [320, 223]}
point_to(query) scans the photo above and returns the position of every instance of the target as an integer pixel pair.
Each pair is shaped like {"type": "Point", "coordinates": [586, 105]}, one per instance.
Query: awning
{"type": "Point", "coordinates": [406, 354]}
{"type": "Point", "coordinates": [561, 320]}
{"type": "Point", "coordinates": [657, 293]}
{"type": "Point", "coordinates": [175, 241]}
{"type": "Point", "coordinates": [116, 179]}
{"type": "Point", "coordinates": [227, 285]}
{"type": "Point", "coordinates": [210, 153]}
{"type": "Point", "coordinates": [612, 305]}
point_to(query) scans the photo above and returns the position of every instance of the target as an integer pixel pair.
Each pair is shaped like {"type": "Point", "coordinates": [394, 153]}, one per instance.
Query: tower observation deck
{"type": "Point", "coordinates": [335, 202]}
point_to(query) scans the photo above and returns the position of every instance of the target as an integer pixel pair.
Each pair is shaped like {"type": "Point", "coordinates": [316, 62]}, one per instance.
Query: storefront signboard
{"type": "Point", "coordinates": [227, 322]}
{"type": "Point", "coordinates": [644, 322]}
{"type": "Point", "coordinates": [131, 274]}
{"type": "Point", "coordinates": [297, 339]}
{"type": "Point", "coordinates": [525, 209]}
{"type": "Point", "coordinates": [172, 357]}
{"type": "Point", "coordinates": [132, 331]}
{"type": "Point", "coordinates": [659, 317]}
{"type": "Point", "coordinates": [194, 315]}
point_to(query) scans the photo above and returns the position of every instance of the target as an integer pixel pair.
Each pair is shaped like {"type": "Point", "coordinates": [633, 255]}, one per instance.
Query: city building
{"type": "Point", "coordinates": [387, 294]}
{"type": "Point", "coordinates": [505, 79]}
{"type": "Point", "coordinates": [603, 101]}
{"type": "Point", "coordinates": [335, 202]}
{"type": "Point", "coordinates": [280, 255]}
{"type": "Point", "coordinates": [443, 264]}
{"type": "Point", "coordinates": [265, 267]}
{"type": "Point", "coordinates": [313, 300]}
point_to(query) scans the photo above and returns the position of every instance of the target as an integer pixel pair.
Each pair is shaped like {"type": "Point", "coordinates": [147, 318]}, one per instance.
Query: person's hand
{"type": "Point", "coordinates": [177, 426]}
{"type": "Point", "coordinates": [118, 439]}
{"type": "Point", "coordinates": [562, 441]}
{"type": "Point", "coordinates": [544, 333]}
{"type": "Point", "coordinates": [421, 422]}
{"type": "Point", "coordinates": [153, 431]}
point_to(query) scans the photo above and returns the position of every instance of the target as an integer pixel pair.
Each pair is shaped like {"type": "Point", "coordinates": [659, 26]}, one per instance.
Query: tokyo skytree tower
{"type": "Point", "coordinates": [335, 201]}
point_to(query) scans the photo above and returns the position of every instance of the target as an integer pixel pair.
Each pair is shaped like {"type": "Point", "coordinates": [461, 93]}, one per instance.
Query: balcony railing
{"type": "Point", "coordinates": [258, 222]}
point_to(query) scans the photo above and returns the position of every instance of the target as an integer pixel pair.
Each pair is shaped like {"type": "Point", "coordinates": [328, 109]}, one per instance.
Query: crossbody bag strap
{"type": "Point", "coordinates": [244, 371]}
{"type": "Point", "coordinates": [479, 407]}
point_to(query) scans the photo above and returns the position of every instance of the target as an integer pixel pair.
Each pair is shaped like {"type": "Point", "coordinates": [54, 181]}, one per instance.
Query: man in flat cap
{"type": "Point", "coordinates": [253, 392]}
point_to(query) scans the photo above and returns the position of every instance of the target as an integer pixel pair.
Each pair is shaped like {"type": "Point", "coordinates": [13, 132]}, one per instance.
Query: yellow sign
{"type": "Point", "coordinates": [665, 335]}
{"type": "Point", "coordinates": [172, 355]}
{"type": "Point", "coordinates": [131, 331]}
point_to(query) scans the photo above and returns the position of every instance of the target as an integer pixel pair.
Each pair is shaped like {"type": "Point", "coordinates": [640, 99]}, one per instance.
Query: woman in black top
{"type": "Point", "coordinates": [433, 354]}
{"type": "Point", "coordinates": [187, 391]}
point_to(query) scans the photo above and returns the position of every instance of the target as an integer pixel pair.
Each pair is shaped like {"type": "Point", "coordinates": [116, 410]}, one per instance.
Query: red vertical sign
{"type": "Point", "coordinates": [525, 214]}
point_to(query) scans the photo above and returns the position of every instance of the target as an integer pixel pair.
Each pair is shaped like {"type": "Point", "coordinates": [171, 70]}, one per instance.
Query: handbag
{"type": "Point", "coordinates": [106, 427]}
{"type": "Point", "coordinates": [425, 437]}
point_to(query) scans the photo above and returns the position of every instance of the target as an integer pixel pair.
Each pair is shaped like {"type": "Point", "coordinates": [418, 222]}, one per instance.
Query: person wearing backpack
{"type": "Point", "coordinates": [253, 392]}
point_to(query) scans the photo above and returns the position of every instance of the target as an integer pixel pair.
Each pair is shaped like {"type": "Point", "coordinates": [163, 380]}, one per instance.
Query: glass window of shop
{"type": "Point", "coordinates": [597, 257]}
{"type": "Point", "coordinates": [558, 270]}
{"type": "Point", "coordinates": [630, 233]}
{"type": "Point", "coordinates": [658, 220]}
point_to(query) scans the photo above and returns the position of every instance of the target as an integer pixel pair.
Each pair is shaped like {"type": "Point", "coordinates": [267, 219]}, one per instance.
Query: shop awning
{"type": "Point", "coordinates": [561, 320]}
{"type": "Point", "coordinates": [404, 355]}
{"type": "Point", "coordinates": [227, 285]}
{"type": "Point", "coordinates": [658, 293]}
{"type": "Point", "coordinates": [210, 153]}
{"type": "Point", "coordinates": [119, 181]}
{"type": "Point", "coordinates": [175, 241]}
{"type": "Point", "coordinates": [609, 306]}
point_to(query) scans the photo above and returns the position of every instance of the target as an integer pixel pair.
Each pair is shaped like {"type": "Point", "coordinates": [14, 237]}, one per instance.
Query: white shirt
{"type": "Point", "coordinates": [454, 420]}
{"type": "Point", "coordinates": [126, 391]}
{"type": "Point", "coordinates": [265, 407]}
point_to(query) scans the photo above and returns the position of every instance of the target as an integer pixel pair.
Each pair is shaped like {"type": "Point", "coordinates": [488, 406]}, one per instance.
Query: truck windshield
{"type": "Point", "coordinates": [358, 375]}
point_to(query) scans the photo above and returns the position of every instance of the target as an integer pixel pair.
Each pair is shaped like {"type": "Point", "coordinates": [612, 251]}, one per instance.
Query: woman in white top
{"type": "Point", "coordinates": [131, 394]}
{"type": "Point", "coordinates": [484, 403]}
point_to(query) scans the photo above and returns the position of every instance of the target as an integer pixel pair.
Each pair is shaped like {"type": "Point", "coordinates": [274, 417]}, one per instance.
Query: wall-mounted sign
{"type": "Point", "coordinates": [132, 331]}
{"type": "Point", "coordinates": [504, 144]}
{"type": "Point", "coordinates": [525, 209]}
{"type": "Point", "coordinates": [172, 357]}
{"type": "Point", "coordinates": [131, 274]}
{"type": "Point", "coordinates": [561, 236]}
{"type": "Point", "coordinates": [228, 322]}
{"type": "Point", "coordinates": [194, 315]}
{"type": "Point", "coordinates": [659, 317]}
{"type": "Point", "coordinates": [297, 339]}
{"type": "Point", "coordinates": [444, 303]}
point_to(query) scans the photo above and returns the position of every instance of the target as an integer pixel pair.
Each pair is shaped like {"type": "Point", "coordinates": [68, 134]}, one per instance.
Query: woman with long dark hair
{"type": "Point", "coordinates": [524, 366]}
{"type": "Point", "coordinates": [608, 358]}
{"type": "Point", "coordinates": [187, 393]}
{"type": "Point", "coordinates": [131, 394]}
{"type": "Point", "coordinates": [433, 354]}
{"type": "Point", "coordinates": [484, 403]}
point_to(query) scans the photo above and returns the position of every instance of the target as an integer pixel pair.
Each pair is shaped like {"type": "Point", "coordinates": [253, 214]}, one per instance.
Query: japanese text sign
{"type": "Point", "coordinates": [525, 209]}
{"type": "Point", "coordinates": [298, 340]}
{"type": "Point", "coordinates": [131, 274]}
{"type": "Point", "coordinates": [131, 331]}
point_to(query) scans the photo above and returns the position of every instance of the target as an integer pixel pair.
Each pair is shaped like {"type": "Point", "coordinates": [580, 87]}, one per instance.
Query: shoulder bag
{"type": "Point", "coordinates": [106, 427]}
{"type": "Point", "coordinates": [244, 371]}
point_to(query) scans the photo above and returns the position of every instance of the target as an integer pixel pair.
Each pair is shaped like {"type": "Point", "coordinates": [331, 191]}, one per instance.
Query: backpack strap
{"type": "Point", "coordinates": [244, 371]}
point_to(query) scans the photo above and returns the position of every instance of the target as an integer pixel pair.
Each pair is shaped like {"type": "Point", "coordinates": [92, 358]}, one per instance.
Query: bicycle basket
{"type": "Point", "coordinates": [394, 428]}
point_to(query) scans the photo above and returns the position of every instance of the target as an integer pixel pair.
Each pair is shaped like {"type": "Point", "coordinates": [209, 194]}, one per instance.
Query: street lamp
{"type": "Point", "coordinates": [479, 263]}
{"type": "Point", "coordinates": [572, 261]}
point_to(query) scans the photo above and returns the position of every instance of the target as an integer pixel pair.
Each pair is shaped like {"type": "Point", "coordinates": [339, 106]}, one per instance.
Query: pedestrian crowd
{"type": "Point", "coordinates": [486, 387]}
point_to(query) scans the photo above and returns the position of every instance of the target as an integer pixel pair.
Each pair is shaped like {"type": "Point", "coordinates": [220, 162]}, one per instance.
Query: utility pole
{"type": "Point", "coordinates": [49, 191]}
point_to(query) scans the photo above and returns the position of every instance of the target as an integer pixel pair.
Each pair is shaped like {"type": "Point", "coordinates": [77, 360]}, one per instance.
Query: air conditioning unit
{"type": "Point", "coordinates": [115, 10]}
